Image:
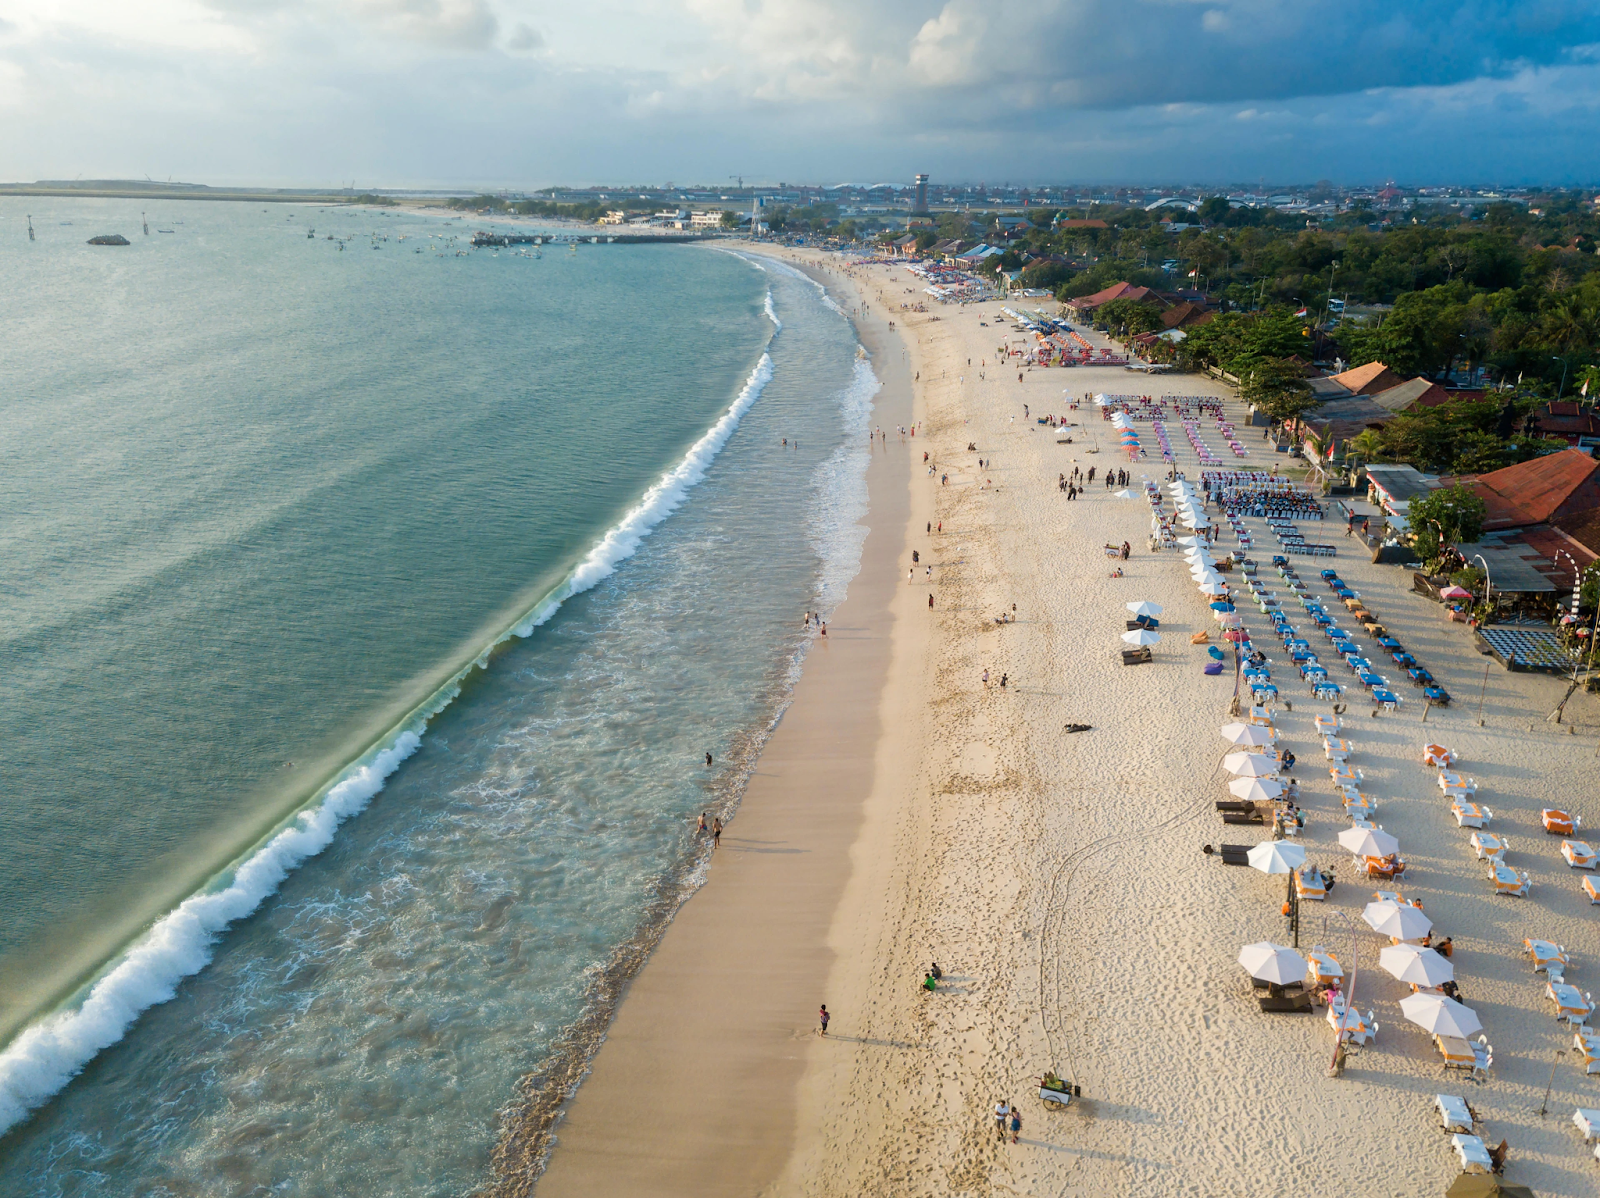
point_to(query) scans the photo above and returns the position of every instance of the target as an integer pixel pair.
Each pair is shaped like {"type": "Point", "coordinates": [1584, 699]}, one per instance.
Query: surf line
{"type": "Point", "coordinates": [49, 1052]}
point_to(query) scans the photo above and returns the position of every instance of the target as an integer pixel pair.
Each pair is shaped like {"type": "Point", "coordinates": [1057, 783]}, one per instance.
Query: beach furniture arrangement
{"type": "Point", "coordinates": [1571, 1004]}
{"type": "Point", "coordinates": [1587, 1043]}
{"type": "Point", "coordinates": [1578, 854]}
{"type": "Point", "coordinates": [1488, 846]}
{"type": "Point", "coordinates": [1454, 1114]}
{"type": "Point", "coordinates": [1559, 823]}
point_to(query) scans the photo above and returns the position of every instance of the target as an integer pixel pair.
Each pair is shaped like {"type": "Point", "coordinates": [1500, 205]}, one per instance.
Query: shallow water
{"type": "Point", "coordinates": [268, 496]}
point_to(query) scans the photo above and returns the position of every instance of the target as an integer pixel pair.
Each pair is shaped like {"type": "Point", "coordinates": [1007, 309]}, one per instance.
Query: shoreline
{"type": "Point", "coordinates": [708, 1046]}
{"type": "Point", "coordinates": [1058, 879]}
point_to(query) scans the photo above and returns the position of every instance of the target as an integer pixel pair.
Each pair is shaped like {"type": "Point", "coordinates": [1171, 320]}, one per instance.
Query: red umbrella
{"type": "Point", "coordinates": [1233, 634]}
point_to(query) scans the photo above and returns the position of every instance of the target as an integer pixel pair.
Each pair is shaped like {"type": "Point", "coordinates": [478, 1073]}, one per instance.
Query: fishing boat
{"type": "Point", "coordinates": [30, 229]}
{"type": "Point", "coordinates": [144, 220]}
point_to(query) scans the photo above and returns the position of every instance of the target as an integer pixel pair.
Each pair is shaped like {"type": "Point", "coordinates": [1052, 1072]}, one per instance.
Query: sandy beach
{"type": "Point", "coordinates": [906, 813]}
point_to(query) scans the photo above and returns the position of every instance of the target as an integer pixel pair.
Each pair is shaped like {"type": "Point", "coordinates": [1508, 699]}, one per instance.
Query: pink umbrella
{"type": "Point", "coordinates": [1454, 592]}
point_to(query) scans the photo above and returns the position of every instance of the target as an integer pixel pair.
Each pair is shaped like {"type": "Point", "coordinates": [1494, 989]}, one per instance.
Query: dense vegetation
{"type": "Point", "coordinates": [1514, 290]}
{"type": "Point", "coordinates": [588, 212]}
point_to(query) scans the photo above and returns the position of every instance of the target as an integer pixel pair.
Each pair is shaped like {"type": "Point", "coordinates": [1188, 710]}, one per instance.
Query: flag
{"type": "Point", "coordinates": [1302, 312]}
{"type": "Point", "coordinates": [1193, 273]}
{"type": "Point", "coordinates": [1585, 391]}
{"type": "Point", "coordinates": [1333, 443]}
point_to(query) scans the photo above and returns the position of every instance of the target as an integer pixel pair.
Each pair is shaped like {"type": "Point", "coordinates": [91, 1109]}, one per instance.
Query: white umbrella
{"type": "Point", "coordinates": [1276, 857]}
{"type": "Point", "coordinates": [1188, 540]}
{"type": "Point", "coordinates": [1270, 962]}
{"type": "Point", "coordinates": [1216, 587]}
{"type": "Point", "coordinates": [1417, 965]}
{"type": "Point", "coordinates": [1250, 765]}
{"type": "Point", "coordinates": [1440, 1016]}
{"type": "Point", "coordinates": [1369, 842]}
{"type": "Point", "coordinates": [1124, 494]}
{"type": "Point", "coordinates": [1143, 607]}
{"type": "Point", "coordinates": [1246, 734]}
{"type": "Point", "coordinates": [1400, 920]}
{"type": "Point", "coordinates": [1255, 790]}
{"type": "Point", "coordinates": [1196, 520]}
{"type": "Point", "coordinates": [1141, 636]}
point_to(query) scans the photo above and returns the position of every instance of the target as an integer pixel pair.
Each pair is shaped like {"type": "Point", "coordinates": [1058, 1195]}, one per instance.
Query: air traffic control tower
{"type": "Point", "coordinates": [922, 193]}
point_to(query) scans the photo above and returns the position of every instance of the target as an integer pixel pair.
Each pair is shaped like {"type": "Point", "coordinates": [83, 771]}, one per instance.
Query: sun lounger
{"type": "Point", "coordinates": [1578, 854]}
{"type": "Point", "coordinates": [1592, 890]}
{"type": "Point", "coordinates": [1235, 854]}
{"type": "Point", "coordinates": [1135, 657]}
{"type": "Point", "coordinates": [1287, 1004]}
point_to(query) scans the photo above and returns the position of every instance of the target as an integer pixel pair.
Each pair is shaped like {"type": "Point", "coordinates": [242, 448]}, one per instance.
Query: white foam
{"type": "Point", "coordinates": [51, 1052]}
{"type": "Point", "coordinates": [839, 500]}
{"type": "Point", "coordinates": [659, 502]}
{"type": "Point", "coordinates": [777, 324]}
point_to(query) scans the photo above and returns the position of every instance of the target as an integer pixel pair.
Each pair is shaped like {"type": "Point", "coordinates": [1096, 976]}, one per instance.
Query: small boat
{"type": "Point", "coordinates": [30, 229]}
{"type": "Point", "coordinates": [144, 220]}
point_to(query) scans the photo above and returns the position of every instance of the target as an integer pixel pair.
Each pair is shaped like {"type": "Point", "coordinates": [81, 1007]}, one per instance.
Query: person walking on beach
{"type": "Point", "coordinates": [1002, 1115]}
{"type": "Point", "coordinates": [986, 680]}
{"type": "Point", "coordinates": [1016, 1124]}
{"type": "Point", "coordinates": [716, 832]}
{"type": "Point", "coordinates": [930, 602]}
{"type": "Point", "coordinates": [822, 1018]}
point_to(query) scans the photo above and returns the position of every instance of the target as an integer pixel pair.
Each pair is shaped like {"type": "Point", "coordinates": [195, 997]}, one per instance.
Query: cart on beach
{"type": "Point", "coordinates": [1053, 1091]}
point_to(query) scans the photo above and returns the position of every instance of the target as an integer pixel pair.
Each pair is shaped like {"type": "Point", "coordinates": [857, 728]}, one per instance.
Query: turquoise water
{"type": "Point", "coordinates": [266, 498]}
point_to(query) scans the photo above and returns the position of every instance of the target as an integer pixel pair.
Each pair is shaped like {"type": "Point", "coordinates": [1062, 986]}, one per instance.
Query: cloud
{"type": "Point", "coordinates": [525, 39]}
{"type": "Point", "coordinates": [632, 89]}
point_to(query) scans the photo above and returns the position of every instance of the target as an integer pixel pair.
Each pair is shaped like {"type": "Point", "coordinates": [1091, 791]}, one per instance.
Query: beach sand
{"type": "Point", "coordinates": [1058, 879]}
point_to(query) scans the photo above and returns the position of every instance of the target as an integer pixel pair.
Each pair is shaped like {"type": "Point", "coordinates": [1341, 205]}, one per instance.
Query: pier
{"type": "Point", "coordinates": [499, 239]}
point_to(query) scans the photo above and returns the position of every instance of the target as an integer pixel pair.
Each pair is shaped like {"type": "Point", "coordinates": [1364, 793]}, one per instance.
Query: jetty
{"type": "Point", "coordinates": [498, 239]}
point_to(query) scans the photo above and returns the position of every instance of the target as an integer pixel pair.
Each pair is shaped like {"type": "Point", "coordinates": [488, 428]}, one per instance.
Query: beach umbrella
{"type": "Point", "coordinates": [1141, 636]}
{"type": "Point", "coordinates": [1234, 635]}
{"type": "Point", "coordinates": [1277, 856]}
{"type": "Point", "coordinates": [1400, 920]}
{"type": "Point", "coordinates": [1268, 962]}
{"type": "Point", "coordinates": [1246, 734]}
{"type": "Point", "coordinates": [1213, 587]}
{"type": "Point", "coordinates": [1485, 1185]}
{"type": "Point", "coordinates": [1255, 790]}
{"type": "Point", "coordinates": [1219, 605]}
{"type": "Point", "coordinates": [1195, 519]}
{"type": "Point", "coordinates": [1188, 540]}
{"type": "Point", "coordinates": [1250, 765]}
{"type": "Point", "coordinates": [1143, 607]}
{"type": "Point", "coordinates": [1440, 1016]}
{"type": "Point", "coordinates": [1368, 842]}
{"type": "Point", "coordinates": [1455, 593]}
{"type": "Point", "coordinates": [1123, 495]}
{"type": "Point", "coordinates": [1417, 965]}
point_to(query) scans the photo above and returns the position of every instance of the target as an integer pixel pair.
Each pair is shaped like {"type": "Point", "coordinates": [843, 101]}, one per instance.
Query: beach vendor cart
{"type": "Point", "coordinates": [1053, 1091]}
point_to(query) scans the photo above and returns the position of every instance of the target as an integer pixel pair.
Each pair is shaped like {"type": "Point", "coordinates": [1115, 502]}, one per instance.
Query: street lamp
{"type": "Point", "coordinates": [1478, 557]}
{"type": "Point", "coordinates": [1332, 266]}
{"type": "Point", "coordinates": [1563, 387]}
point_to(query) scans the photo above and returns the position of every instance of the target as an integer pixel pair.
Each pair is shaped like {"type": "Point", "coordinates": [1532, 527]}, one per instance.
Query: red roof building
{"type": "Point", "coordinates": [1555, 488]}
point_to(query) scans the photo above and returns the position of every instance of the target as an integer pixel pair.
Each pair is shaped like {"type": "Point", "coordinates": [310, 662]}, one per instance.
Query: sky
{"type": "Point", "coordinates": [522, 94]}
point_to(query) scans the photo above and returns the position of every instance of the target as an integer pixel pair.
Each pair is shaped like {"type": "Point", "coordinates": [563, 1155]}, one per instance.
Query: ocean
{"type": "Point", "coordinates": [369, 605]}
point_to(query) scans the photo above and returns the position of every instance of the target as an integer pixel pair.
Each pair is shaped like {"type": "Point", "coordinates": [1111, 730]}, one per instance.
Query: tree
{"type": "Point", "coordinates": [1278, 387]}
{"type": "Point", "coordinates": [1214, 210]}
{"type": "Point", "coordinates": [1130, 314]}
{"type": "Point", "coordinates": [730, 220]}
{"type": "Point", "coordinates": [1444, 519]}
